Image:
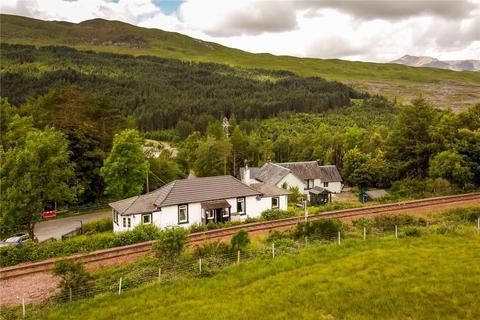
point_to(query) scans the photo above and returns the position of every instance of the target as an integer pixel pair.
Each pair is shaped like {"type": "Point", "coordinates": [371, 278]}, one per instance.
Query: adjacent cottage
{"type": "Point", "coordinates": [305, 175]}
{"type": "Point", "coordinates": [197, 201]}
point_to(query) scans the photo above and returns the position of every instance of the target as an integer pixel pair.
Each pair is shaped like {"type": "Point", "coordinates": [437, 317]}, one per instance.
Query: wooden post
{"type": "Point", "coordinates": [200, 265]}
{"type": "Point", "coordinates": [339, 238]}
{"type": "Point", "coordinates": [306, 240]}
{"type": "Point", "coordinates": [478, 224]}
{"type": "Point", "coordinates": [24, 311]}
{"type": "Point", "coordinates": [306, 210]}
{"type": "Point", "coordinates": [120, 286]}
{"type": "Point", "coordinates": [70, 293]}
{"type": "Point", "coordinates": [238, 257]}
{"type": "Point", "coordinates": [364, 233]}
{"type": "Point", "coordinates": [159, 275]}
{"type": "Point", "coordinates": [396, 232]}
{"type": "Point", "coordinates": [273, 250]}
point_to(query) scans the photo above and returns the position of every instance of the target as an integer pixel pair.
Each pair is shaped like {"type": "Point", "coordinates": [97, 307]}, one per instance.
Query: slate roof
{"type": "Point", "coordinates": [192, 190]}
{"type": "Point", "coordinates": [375, 194]}
{"type": "Point", "coordinates": [271, 173]}
{"type": "Point", "coordinates": [269, 189]}
{"type": "Point", "coordinates": [311, 170]}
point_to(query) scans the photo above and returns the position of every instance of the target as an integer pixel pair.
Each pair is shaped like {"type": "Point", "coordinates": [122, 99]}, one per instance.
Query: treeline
{"type": "Point", "coordinates": [166, 93]}
{"type": "Point", "coordinates": [416, 149]}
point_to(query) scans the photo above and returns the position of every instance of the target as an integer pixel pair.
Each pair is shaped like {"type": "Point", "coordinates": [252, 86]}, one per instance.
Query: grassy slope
{"type": "Point", "coordinates": [95, 35]}
{"type": "Point", "coordinates": [435, 277]}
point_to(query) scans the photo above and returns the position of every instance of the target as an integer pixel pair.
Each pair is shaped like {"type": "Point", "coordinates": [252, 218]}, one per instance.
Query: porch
{"type": "Point", "coordinates": [217, 211]}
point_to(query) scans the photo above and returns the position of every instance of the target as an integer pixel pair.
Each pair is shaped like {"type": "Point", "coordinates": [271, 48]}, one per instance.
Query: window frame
{"type": "Point", "coordinates": [209, 214]}
{"type": "Point", "coordinates": [149, 215]}
{"type": "Point", "coordinates": [244, 201]}
{"type": "Point", "coordinates": [115, 216]}
{"type": "Point", "coordinates": [226, 212]}
{"type": "Point", "coordinates": [129, 222]}
{"type": "Point", "coordinates": [278, 202]}
{"type": "Point", "coordinates": [124, 220]}
{"type": "Point", "coordinates": [180, 207]}
{"type": "Point", "coordinates": [325, 184]}
{"type": "Point", "coordinates": [308, 185]}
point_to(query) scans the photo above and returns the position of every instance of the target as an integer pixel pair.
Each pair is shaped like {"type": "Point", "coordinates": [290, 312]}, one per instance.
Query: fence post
{"type": "Point", "coordinates": [306, 210]}
{"type": "Point", "coordinates": [159, 275]}
{"type": "Point", "coordinates": [238, 257]}
{"type": "Point", "coordinates": [200, 265]}
{"type": "Point", "coordinates": [24, 311]}
{"type": "Point", "coordinates": [339, 238]}
{"type": "Point", "coordinates": [120, 286]}
{"type": "Point", "coordinates": [306, 240]}
{"type": "Point", "coordinates": [273, 250]}
{"type": "Point", "coordinates": [396, 232]}
{"type": "Point", "coordinates": [364, 233]}
{"type": "Point", "coordinates": [70, 293]}
{"type": "Point", "coordinates": [478, 224]}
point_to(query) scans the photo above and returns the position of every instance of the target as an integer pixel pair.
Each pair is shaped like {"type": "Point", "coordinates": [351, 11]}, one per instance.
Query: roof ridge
{"type": "Point", "coordinates": [169, 191]}
{"type": "Point", "coordinates": [131, 204]}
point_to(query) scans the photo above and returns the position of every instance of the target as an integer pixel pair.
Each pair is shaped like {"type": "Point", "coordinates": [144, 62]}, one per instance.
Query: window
{"type": "Point", "coordinates": [129, 220]}
{"type": "Point", "coordinates": [124, 222]}
{"type": "Point", "coordinates": [210, 214]}
{"type": "Point", "coordinates": [325, 184]}
{"type": "Point", "coordinates": [241, 205]}
{"type": "Point", "coordinates": [309, 183]}
{"type": "Point", "coordinates": [275, 202]}
{"type": "Point", "coordinates": [225, 212]}
{"type": "Point", "coordinates": [146, 218]}
{"type": "Point", "coordinates": [183, 213]}
{"type": "Point", "coordinates": [115, 216]}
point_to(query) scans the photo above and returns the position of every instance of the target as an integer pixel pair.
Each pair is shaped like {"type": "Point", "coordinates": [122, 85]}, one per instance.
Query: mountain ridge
{"type": "Point", "coordinates": [431, 62]}
{"type": "Point", "coordinates": [444, 88]}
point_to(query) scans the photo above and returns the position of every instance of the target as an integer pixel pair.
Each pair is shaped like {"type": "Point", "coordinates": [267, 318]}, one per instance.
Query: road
{"type": "Point", "coordinates": [57, 227]}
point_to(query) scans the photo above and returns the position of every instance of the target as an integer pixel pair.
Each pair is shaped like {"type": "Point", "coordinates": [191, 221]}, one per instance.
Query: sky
{"type": "Point", "coordinates": [365, 30]}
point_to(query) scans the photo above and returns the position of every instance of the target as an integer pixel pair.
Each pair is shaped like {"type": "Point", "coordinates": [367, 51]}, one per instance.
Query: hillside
{"type": "Point", "coordinates": [380, 279]}
{"type": "Point", "coordinates": [444, 87]}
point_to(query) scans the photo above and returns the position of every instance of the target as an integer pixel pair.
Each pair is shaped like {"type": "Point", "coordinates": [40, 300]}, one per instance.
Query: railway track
{"type": "Point", "coordinates": [256, 227]}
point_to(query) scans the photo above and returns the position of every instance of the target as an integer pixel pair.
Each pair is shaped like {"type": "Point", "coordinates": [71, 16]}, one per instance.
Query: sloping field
{"type": "Point", "coordinates": [431, 277]}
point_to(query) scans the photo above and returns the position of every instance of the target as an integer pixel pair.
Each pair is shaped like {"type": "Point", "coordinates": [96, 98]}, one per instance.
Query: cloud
{"type": "Point", "coordinates": [396, 9]}
{"type": "Point", "coordinates": [246, 17]}
{"type": "Point", "coordinates": [366, 30]}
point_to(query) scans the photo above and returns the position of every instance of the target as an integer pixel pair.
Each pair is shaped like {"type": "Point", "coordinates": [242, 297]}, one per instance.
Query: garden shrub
{"type": "Point", "coordinates": [209, 249]}
{"type": "Point", "coordinates": [471, 214]}
{"type": "Point", "coordinates": [240, 240]}
{"type": "Point", "coordinates": [171, 243]}
{"type": "Point", "coordinates": [32, 251]}
{"type": "Point", "coordinates": [389, 221]}
{"type": "Point", "coordinates": [98, 226]}
{"type": "Point", "coordinates": [362, 223]}
{"type": "Point", "coordinates": [323, 228]}
{"type": "Point", "coordinates": [412, 232]}
{"type": "Point", "coordinates": [275, 214]}
{"type": "Point", "coordinates": [275, 236]}
{"type": "Point", "coordinates": [73, 276]}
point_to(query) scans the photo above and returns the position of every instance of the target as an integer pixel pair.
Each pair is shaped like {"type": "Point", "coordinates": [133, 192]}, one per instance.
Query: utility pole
{"type": "Point", "coordinates": [148, 187]}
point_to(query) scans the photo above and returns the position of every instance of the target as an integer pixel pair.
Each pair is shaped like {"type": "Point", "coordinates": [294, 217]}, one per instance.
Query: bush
{"type": "Point", "coordinates": [362, 223]}
{"type": "Point", "coordinates": [32, 251]}
{"type": "Point", "coordinates": [412, 232]}
{"type": "Point", "coordinates": [275, 214]}
{"type": "Point", "coordinates": [388, 221]}
{"type": "Point", "coordinates": [275, 236]}
{"type": "Point", "coordinates": [73, 276]}
{"type": "Point", "coordinates": [210, 249]}
{"type": "Point", "coordinates": [98, 226]}
{"type": "Point", "coordinates": [323, 228]}
{"type": "Point", "coordinates": [171, 244]}
{"type": "Point", "coordinates": [471, 214]}
{"type": "Point", "coordinates": [240, 240]}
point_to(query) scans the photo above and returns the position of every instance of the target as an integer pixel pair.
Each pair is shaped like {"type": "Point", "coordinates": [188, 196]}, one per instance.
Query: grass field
{"type": "Point", "coordinates": [448, 88]}
{"type": "Point", "coordinates": [431, 277]}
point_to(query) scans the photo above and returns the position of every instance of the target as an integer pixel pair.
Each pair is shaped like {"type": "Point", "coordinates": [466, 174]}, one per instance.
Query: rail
{"type": "Point", "coordinates": [195, 238]}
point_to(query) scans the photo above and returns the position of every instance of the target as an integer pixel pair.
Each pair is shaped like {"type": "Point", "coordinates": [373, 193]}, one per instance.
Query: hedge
{"type": "Point", "coordinates": [32, 251]}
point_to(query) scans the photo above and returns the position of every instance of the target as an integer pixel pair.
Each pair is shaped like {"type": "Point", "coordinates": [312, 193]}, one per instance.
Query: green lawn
{"type": "Point", "coordinates": [432, 277]}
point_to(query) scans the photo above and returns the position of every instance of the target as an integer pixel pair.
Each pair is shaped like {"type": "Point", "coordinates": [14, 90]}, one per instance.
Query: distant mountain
{"type": "Point", "coordinates": [429, 62]}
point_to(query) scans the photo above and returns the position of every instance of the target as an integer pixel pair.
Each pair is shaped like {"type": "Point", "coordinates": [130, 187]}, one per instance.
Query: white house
{"type": "Point", "coordinates": [305, 175]}
{"type": "Point", "coordinates": [197, 201]}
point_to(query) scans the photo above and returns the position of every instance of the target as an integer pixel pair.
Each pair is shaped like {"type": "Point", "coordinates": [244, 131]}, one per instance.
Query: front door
{"type": "Point", "coordinates": [222, 214]}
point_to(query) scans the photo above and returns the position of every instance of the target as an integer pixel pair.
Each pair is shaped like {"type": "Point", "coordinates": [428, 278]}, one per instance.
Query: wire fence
{"type": "Point", "coordinates": [196, 265]}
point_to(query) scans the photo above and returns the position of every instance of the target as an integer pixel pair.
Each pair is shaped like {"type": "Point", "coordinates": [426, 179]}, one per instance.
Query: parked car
{"type": "Point", "coordinates": [15, 240]}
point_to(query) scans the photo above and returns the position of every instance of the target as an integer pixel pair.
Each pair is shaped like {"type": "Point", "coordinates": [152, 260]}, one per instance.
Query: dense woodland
{"type": "Point", "coordinates": [68, 129]}
{"type": "Point", "coordinates": [161, 93]}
